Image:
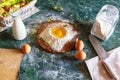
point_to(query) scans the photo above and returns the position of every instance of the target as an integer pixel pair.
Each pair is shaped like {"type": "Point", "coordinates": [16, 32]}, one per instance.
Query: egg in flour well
{"type": "Point", "coordinates": [57, 36]}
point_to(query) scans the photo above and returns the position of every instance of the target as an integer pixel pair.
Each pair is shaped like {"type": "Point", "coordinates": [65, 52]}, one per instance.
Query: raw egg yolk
{"type": "Point", "coordinates": [58, 32]}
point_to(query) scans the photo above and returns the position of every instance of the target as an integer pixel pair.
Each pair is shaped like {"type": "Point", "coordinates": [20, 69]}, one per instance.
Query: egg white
{"type": "Point", "coordinates": [54, 42]}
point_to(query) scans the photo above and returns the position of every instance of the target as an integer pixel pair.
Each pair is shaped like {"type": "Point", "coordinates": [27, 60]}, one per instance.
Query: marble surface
{"type": "Point", "coordinates": [41, 65]}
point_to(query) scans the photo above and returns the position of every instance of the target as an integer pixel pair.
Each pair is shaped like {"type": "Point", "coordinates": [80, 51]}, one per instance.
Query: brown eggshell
{"type": "Point", "coordinates": [79, 45]}
{"type": "Point", "coordinates": [26, 48]}
{"type": "Point", "coordinates": [80, 55]}
{"type": "Point", "coordinates": [76, 42]}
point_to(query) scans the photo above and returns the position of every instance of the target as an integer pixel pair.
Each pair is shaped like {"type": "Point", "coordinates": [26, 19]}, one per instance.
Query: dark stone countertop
{"type": "Point", "coordinates": [41, 65]}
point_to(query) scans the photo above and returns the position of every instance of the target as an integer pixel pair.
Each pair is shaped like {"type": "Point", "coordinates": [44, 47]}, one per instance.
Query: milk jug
{"type": "Point", "coordinates": [18, 29]}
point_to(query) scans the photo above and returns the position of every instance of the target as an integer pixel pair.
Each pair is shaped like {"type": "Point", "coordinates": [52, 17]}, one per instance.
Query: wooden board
{"type": "Point", "coordinates": [10, 60]}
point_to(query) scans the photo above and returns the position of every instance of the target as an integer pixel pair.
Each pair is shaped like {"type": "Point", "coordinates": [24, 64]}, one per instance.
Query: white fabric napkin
{"type": "Point", "coordinates": [98, 71]}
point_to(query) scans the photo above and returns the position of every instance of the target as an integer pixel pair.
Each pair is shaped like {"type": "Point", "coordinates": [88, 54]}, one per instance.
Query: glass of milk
{"type": "Point", "coordinates": [105, 22]}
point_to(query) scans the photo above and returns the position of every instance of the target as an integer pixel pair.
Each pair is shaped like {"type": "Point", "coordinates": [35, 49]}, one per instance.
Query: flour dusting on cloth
{"type": "Point", "coordinates": [98, 71]}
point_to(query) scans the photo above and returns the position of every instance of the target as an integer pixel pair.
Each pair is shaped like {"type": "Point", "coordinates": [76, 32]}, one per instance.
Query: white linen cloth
{"type": "Point", "coordinates": [97, 69]}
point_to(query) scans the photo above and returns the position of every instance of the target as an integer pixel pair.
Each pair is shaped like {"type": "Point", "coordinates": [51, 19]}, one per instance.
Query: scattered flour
{"type": "Point", "coordinates": [44, 65]}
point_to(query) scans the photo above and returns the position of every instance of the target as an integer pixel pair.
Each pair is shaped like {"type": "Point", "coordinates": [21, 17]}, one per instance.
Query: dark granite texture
{"type": "Point", "coordinates": [41, 65]}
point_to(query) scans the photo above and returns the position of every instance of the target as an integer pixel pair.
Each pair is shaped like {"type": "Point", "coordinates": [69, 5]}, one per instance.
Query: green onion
{"type": "Point", "coordinates": [5, 14]}
{"type": "Point", "coordinates": [49, 19]}
{"type": "Point", "coordinates": [64, 25]}
{"type": "Point", "coordinates": [61, 9]}
{"type": "Point", "coordinates": [34, 31]}
{"type": "Point", "coordinates": [49, 42]}
{"type": "Point", "coordinates": [55, 7]}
